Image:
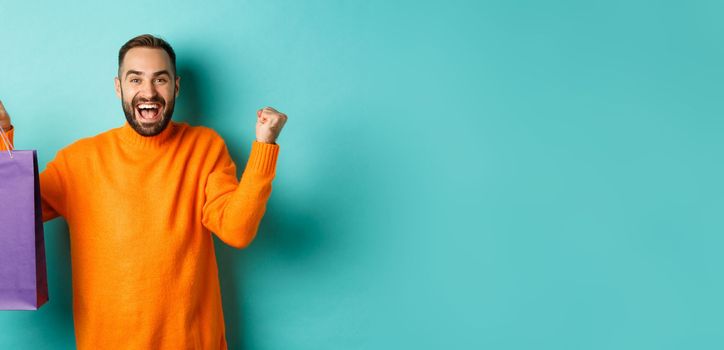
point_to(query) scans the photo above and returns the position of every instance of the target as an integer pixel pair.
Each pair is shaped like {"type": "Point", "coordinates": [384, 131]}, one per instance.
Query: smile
{"type": "Point", "coordinates": [148, 111]}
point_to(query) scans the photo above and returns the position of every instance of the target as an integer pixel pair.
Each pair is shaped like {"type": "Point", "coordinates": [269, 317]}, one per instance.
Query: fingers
{"type": "Point", "coordinates": [269, 124]}
{"type": "Point", "coordinates": [267, 110]}
{"type": "Point", "coordinates": [261, 117]}
{"type": "Point", "coordinates": [268, 113]}
{"type": "Point", "coordinates": [4, 117]}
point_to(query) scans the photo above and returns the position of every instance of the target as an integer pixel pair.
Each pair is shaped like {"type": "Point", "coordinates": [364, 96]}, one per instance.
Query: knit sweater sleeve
{"type": "Point", "coordinates": [10, 134]}
{"type": "Point", "coordinates": [52, 191]}
{"type": "Point", "coordinates": [233, 209]}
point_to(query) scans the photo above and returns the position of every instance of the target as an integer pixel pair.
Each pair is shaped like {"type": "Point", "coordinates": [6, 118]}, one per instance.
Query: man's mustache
{"type": "Point", "coordinates": [160, 100]}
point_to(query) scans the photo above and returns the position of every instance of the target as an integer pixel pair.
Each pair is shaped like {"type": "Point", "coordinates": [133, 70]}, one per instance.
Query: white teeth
{"type": "Point", "coordinates": [146, 106]}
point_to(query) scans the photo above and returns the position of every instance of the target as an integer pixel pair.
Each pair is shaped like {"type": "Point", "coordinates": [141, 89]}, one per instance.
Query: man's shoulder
{"type": "Point", "coordinates": [199, 131]}
{"type": "Point", "coordinates": [187, 132]}
{"type": "Point", "coordinates": [199, 134]}
{"type": "Point", "coordinates": [90, 142]}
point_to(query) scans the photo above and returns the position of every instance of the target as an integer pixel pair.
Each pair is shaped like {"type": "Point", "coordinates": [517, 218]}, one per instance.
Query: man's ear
{"type": "Point", "coordinates": [178, 85]}
{"type": "Point", "coordinates": [117, 83]}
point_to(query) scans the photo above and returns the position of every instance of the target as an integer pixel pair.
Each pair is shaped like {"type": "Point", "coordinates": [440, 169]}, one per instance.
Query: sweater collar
{"type": "Point", "coordinates": [129, 135]}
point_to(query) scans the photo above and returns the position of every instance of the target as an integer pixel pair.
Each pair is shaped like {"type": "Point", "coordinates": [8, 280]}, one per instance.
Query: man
{"type": "Point", "coordinates": [141, 202]}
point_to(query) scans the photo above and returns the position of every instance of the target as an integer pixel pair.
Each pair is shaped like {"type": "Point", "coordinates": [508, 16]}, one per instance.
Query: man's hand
{"type": "Point", "coordinates": [4, 118]}
{"type": "Point", "coordinates": [269, 124]}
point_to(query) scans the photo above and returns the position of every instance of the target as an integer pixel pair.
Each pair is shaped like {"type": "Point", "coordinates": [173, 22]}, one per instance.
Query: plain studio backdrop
{"type": "Point", "coordinates": [453, 175]}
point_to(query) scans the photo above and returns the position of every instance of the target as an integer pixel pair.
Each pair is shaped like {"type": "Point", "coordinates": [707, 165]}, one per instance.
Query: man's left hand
{"type": "Point", "coordinates": [269, 124]}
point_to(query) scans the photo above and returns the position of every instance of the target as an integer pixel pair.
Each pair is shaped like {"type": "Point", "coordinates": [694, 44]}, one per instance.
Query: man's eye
{"type": "Point", "coordinates": [160, 80]}
{"type": "Point", "coordinates": [135, 80]}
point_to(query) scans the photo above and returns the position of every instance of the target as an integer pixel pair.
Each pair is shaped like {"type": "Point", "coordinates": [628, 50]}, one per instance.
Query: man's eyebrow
{"type": "Point", "coordinates": [133, 72]}
{"type": "Point", "coordinates": [161, 72]}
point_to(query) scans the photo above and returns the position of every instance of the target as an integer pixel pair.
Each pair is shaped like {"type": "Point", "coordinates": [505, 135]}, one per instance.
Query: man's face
{"type": "Point", "coordinates": [147, 87]}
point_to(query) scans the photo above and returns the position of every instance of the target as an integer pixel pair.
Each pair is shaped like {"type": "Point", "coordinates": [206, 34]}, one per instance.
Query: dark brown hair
{"type": "Point", "coordinates": [147, 40]}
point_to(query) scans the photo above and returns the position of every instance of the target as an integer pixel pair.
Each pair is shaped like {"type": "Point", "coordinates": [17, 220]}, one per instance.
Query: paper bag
{"type": "Point", "coordinates": [23, 277]}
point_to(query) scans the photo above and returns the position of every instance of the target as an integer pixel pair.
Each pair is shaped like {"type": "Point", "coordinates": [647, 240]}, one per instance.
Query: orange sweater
{"type": "Point", "coordinates": [140, 211]}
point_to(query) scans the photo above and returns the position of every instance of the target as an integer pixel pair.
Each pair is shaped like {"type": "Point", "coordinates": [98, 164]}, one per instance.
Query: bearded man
{"type": "Point", "coordinates": [141, 201]}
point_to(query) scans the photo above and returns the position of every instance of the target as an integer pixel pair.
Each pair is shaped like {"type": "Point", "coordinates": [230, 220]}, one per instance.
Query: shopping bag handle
{"type": "Point", "coordinates": [6, 141]}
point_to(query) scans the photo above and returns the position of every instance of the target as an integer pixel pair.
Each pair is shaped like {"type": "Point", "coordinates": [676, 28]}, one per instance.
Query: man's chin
{"type": "Point", "coordinates": [145, 128]}
{"type": "Point", "coordinates": [148, 124]}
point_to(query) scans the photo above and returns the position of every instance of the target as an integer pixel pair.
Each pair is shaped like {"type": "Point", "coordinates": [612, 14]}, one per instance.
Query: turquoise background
{"type": "Point", "coordinates": [453, 175]}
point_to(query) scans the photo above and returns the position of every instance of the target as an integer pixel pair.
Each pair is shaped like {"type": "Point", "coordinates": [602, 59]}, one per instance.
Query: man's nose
{"type": "Point", "coordinates": [148, 90]}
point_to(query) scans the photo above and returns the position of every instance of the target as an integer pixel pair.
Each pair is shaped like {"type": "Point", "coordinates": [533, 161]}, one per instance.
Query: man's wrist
{"type": "Point", "coordinates": [8, 128]}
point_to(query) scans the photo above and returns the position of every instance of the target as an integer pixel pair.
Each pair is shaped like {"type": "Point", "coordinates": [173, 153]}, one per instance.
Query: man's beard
{"type": "Point", "coordinates": [148, 129]}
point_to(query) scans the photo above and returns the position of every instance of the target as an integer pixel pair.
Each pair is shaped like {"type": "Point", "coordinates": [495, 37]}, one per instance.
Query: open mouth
{"type": "Point", "coordinates": [148, 112]}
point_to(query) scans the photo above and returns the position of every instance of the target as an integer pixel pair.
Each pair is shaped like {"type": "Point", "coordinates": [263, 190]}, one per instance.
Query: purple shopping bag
{"type": "Point", "coordinates": [23, 278]}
